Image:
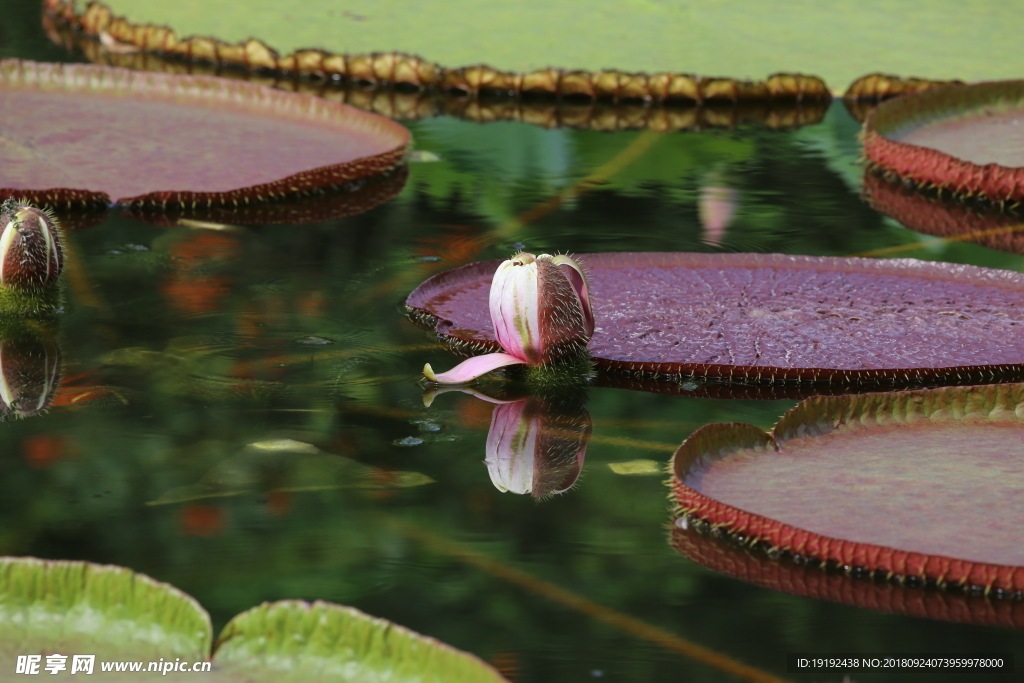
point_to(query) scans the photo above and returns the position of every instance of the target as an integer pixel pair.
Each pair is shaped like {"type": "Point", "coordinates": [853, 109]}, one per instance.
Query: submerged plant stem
{"type": "Point", "coordinates": [621, 621]}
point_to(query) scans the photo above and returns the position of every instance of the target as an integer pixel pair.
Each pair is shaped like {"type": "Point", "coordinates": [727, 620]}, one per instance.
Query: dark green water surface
{"type": "Point", "coordinates": [182, 346]}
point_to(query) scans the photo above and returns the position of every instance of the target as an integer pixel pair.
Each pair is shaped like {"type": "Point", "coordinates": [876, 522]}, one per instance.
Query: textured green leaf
{"type": "Point", "coordinates": [838, 41]}
{"type": "Point", "coordinates": [298, 641]}
{"type": "Point", "coordinates": [49, 607]}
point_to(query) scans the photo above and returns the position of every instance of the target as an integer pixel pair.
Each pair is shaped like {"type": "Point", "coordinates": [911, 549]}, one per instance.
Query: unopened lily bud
{"type": "Point", "coordinates": [541, 312]}
{"type": "Point", "coordinates": [31, 253]}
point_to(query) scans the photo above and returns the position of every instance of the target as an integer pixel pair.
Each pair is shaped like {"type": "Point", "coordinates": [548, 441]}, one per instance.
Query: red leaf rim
{"type": "Point", "coordinates": [808, 419]}
{"type": "Point", "coordinates": [472, 342]}
{"type": "Point", "coordinates": [930, 168]}
{"type": "Point", "coordinates": [935, 216]}
{"type": "Point", "coordinates": [201, 90]}
{"type": "Point", "coordinates": [756, 567]}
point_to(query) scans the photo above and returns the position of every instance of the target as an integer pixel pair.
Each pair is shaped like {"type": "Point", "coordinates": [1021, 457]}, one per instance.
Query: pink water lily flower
{"type": "Point", "coordinates": [541, 311]}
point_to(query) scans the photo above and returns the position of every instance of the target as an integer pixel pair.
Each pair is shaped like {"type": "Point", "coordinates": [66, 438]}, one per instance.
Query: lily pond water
{"type": "Point", "coordinates": [241, 414]}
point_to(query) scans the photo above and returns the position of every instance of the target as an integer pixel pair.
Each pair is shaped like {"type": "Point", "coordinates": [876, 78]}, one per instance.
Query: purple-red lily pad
{"type": "Point", "coordinates": [87, 134]}
{"type": "Point", "coordinates": [925, 484]}
{"type": "Point", "coordinates": [770, 318]}
{"type": "Point", "coordinates": [940, 217]}
{"type": "Point", "coordinates": [964, 139]}
{"type": "Point", "coordinates": [793, 575]}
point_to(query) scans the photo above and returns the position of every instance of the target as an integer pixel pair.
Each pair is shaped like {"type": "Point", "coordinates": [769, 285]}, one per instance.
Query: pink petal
{"type": "Point", "coordinates": [471, 368]}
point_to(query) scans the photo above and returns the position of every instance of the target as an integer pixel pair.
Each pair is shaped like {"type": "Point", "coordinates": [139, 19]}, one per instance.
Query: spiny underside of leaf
{"type": "Point", "coordinates": [411, 70]}
{"type": "Point", "coordinates": [770, 567]}
{"type": "Point", "coordinates": [350, 199]}
{"type": "Point", "coordinates": [770, 319]}
{"type": "Point", "coordinates": [822, 417]}
{"type": "Point", "coordinates": [935, 171]}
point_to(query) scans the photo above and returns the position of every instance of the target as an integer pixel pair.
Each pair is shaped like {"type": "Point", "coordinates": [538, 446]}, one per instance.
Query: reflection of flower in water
{"type": "Point", "coordinates": [29, 373]}
{"type": "Point", "coordinates": [536, 449]}
{"type": "Point", "coordinates": [716, 207]}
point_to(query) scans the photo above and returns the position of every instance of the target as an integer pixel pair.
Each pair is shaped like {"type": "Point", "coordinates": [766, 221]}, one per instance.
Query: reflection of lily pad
{"type": "Point", "coordinates": [775, 572]}
{"type": "Point", "coordinates": [767, 319]}
{"type": "Point", "coordinates": [925, 485]}
{"type": "Point", "coordinates": [837, 41]}
{"type": "Point", "coordinates": [151, 140]}
{"type": "Point", "coordinates": [967, 140]}
{"type": "Point", "coordinates": [942, 218]}
{"type": "Point", "coordinates": [65, 608]}
{"type": "Point", "coordinates": [288, 466]}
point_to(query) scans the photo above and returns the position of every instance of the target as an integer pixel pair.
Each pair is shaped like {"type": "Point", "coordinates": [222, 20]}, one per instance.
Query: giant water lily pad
{"type": "Point", "coordinates": [835, 40]}
{"type": "Point", "coordinates": [87, 134]}
{"type": "Point", "coordinates": [967, 140]}
{"type": "Point", "coordinates": [925, 485]}
{"type": "Point", "coordinates": [782, 572]}
{"type": "Point", "coordinates": [769, 318]}
{"type": "Point", "coordinates": [68, 608]}
{"type": "Point", "coordinates": [412, 104]}
{"type": "Point", "coordinates": [112, 612]}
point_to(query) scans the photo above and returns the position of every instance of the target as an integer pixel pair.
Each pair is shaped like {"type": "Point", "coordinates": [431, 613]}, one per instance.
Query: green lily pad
{"type": "Point", "coordinates": [82, 608]}
{"type": "Point", "coordinates": [835, 40]}
{"type": "Point", "coordinates": [297, 641]}
{"type": "Point", "coordinates": [77, 608]}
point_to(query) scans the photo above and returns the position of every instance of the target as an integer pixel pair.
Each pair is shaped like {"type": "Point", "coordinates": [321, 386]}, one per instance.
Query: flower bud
{"type": "Point", "coordinates": [31, 253]}
{"type": "Point", "coordinates": [541, 312]}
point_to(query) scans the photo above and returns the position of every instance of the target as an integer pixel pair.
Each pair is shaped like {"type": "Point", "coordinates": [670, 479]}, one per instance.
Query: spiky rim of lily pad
{"type": "Point", "coordinates": [805, 420]}
{"type": "Point", "coordinates": [98, 20]}
{"type": "Point", "coordinates": [877, 379]}
{"type": "Point", "coordinates": [930, 169]}
{"type": "Point", "coordinates": [200, 90]}
{"type": "Point", "coordinates": [757, 563]}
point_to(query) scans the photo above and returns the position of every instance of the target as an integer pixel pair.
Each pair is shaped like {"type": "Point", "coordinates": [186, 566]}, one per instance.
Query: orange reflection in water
{"type": "Point", "coordinates": [201, 520]}
{"type": "Point", "coordinates": [42, 451]}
